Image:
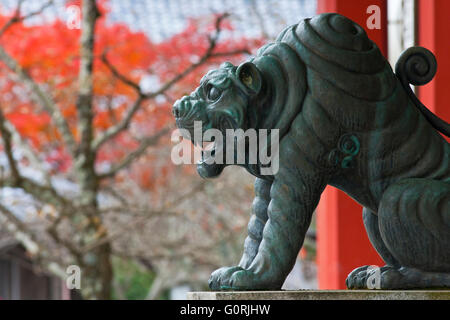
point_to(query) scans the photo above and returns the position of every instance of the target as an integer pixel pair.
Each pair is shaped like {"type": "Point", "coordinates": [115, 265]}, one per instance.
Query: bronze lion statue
{"type": "Point", "coordinates": [345, 119]}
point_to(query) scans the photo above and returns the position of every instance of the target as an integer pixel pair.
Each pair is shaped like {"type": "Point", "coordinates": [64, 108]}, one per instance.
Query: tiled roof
{"type": "Point", "coordinates": [163, 18]}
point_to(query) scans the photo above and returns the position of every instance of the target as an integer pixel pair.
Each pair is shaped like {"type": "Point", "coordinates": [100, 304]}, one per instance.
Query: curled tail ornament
{"type": "Point", "coordinates": [417, 66]}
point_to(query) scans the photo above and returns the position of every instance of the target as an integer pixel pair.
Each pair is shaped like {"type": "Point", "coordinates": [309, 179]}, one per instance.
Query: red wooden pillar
{"type": "Point", "coordinates": [433, 33]}
{"type": "Point", "coordinates": [342, 243]}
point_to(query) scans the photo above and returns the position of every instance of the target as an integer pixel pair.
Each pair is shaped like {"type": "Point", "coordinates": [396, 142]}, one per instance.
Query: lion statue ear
{"type": "Point", "coordinates": [249, 75]}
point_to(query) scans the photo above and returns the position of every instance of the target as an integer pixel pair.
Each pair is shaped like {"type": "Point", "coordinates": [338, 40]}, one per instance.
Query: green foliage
{"type": "Point", "coordinates": [131, 281]}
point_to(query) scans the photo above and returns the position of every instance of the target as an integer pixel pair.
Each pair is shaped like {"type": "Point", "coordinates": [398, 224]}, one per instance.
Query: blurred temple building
{"type": "Point", "coordinates": [19, 278]}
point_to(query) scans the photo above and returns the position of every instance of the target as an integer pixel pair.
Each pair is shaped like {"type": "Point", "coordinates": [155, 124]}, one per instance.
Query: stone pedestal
{"type": "Point", "coordinates": [322, 295]}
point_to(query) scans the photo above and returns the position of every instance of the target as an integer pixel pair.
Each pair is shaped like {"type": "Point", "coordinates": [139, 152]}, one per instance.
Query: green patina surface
{"type": "Point", "coordinates": [345, 119]}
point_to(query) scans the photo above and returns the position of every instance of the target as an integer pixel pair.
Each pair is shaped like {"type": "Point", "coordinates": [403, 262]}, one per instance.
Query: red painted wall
{"type": "Point", "coordinates": [342, 241]}
{"type": "Point", "coordinates": [356, 10]}
{"type": "Point", "coordinates": [433, 33]}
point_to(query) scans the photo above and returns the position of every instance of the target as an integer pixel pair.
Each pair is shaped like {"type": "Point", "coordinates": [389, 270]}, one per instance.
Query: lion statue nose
{"type": "Point", "coordinates": [176, 110]}
{"type": "Point", "coordinates": [180, 107]}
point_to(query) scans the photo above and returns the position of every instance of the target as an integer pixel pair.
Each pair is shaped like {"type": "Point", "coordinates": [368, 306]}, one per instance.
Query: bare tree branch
{"type": "Point", "coordinates": [123, 125]}
{"type": "Point", "coordinates": [9, 136]}
{"type": "Point", "coordinates": [6, 137]}
{"type": "Point", "coordinates": [259, 18]}
{"type": "Point", "coordinates": [43, 193]}
{"type": "Point", "coordinates": [205, 58]}
{"type": "Point", "coordinates": [113, 131]}
{"type": "Point", "coordinates": [28, 151]}
{"type": "Point", "coordinates": [141, 149]}
{"type": "Point", "coordinates": [196, 188]}
{"type": "Point", "coordinates": [39, 95]}
{"type": "Point", "coordinates": [19, 230]}
{"type": "Point", "coordinates": [166, 207]}
{"type": "Point", "coordinates": [42, 98]}
{"type": "Point", "coordinates": [16, 18]}
{"type": "Point", "coordinates": [29, 240]}
{"type": "Point", "coordinates": [145, 215]}
{"type": "Point", "coordinates": [53, 232]}
{"type": "Point", "coordinates": [119, 75]}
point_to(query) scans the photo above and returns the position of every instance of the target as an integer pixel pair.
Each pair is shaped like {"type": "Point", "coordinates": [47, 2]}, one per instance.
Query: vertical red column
{"type": "Point", "coordinates": [433, 34]}
{"type": "Point", "coordinates": [342, 242]}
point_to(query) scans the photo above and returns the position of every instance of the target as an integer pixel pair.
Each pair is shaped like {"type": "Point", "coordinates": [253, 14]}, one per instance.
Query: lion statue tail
{"type": "Point", "coordinates": [417, 66]}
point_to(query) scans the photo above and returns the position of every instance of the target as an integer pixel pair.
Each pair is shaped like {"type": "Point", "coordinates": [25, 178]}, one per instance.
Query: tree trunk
{"type": "Point", "coordinates": [95, 264]}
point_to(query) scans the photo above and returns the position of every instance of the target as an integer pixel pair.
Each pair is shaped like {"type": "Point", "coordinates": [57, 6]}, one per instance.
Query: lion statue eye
{"type": "Point", "coordinates": [214, 93]}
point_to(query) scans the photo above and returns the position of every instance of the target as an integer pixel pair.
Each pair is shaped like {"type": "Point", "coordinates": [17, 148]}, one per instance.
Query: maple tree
{"type": "Point", "coordinates": [74, 101]}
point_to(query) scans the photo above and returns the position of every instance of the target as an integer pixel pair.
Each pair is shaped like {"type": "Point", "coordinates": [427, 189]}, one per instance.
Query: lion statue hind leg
{"type": "Point", "coordinates": [414, 225]}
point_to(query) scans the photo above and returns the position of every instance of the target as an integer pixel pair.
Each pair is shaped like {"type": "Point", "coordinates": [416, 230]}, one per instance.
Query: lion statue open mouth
{"type": "Point", "coordinates": [220, 102]}
{"type": "Point", "coordinates": [344, 119]}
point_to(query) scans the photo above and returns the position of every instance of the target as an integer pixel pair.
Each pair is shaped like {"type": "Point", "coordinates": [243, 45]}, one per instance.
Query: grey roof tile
{"type": "Point", "coordinates": [160, 19]}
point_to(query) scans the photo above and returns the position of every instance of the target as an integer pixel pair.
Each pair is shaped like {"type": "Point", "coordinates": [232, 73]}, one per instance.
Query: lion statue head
{"type": "Point", "coordinates": [220, 102]}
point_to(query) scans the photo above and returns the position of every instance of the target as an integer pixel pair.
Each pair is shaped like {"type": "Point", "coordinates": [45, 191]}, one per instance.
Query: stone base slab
{"type": "Point", "coordinates": [322, 295]}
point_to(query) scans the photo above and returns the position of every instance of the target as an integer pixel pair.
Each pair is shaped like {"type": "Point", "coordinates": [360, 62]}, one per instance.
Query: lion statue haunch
{"type": "Point", "coordinates": [344, 119]}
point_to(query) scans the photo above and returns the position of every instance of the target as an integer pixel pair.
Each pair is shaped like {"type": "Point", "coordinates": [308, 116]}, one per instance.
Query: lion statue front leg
{"type": "Point", "coordinates": [257, 222]}
{"type": "Point", "coordinates": [255, 229]}
{"type": "Point", "coordinates": [294, 194]}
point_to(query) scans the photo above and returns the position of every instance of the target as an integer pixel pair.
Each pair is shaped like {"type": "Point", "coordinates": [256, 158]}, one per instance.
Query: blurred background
{"type": "Point", "coordinates": [86, 89]}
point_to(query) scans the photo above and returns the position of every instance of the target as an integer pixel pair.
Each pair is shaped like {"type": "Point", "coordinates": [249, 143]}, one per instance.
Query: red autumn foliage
{"type": "Point", "coordinates": [50, 55]}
